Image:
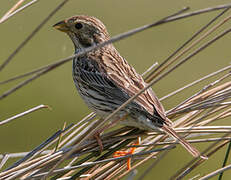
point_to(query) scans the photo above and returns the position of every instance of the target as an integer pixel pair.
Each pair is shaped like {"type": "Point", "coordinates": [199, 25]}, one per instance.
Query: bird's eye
{"type": "Point", "coordinates": [78, 25]}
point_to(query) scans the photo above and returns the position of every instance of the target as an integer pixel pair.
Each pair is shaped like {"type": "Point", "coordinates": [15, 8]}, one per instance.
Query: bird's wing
{"type": "Point", "coordinates": [99, 82]}
{"type": "Point", "coordinates": [131, 82]}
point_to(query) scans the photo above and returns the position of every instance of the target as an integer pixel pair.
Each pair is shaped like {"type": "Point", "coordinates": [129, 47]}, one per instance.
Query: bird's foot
{"type": "Point", "coordinates": [129, 152]}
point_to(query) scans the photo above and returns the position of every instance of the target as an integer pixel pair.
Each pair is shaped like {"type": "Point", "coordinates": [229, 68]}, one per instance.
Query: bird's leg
{"type": "Point", "coordinates": [124, 153]}
{"type": "Point", "coordinates": [99, 141]}
{"type": "Point", "coordinates": [97, 134]}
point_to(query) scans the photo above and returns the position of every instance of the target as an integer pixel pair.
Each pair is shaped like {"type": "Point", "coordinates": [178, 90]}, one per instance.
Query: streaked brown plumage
{"type": "Point", "coordinates": [105, 80]}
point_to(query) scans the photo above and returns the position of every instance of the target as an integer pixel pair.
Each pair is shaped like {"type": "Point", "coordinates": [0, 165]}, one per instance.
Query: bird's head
{"type": "Point", "coordinates": [84, 31]}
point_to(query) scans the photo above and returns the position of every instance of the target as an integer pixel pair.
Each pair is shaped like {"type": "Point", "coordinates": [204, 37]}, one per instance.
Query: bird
{"type": "Point", "coordinates": [105, 80]}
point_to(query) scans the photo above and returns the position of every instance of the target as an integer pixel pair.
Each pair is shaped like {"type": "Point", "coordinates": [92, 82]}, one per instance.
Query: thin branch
{"type": "Point", "coordinates": [35, 150]}
{"type": "Point", "coordinates": [193, 54]}
{"type": "Point", "coordinates": [195, 82]}
{"type": "Point", "coordinates": [211, 151]}
{"type": "Point", "coordinates": [191, 46]}
{"type": "Point", "coordinates": [28, 38]}
{"type": "Point", "coordinates": [185, 170]}
{"type": "Point", "coordinates": [24, 113]}
{"type": "Point", "coordinates": [161, 68]}
{"type": "Point", "coordinates": [147, 71]}
{"type": "Point", "coordinates": [225, 159]}
{"type": "Point", "coordinates": [22, 154]}
{"type": "Point", "coordinates": [4, 18]}
{"type": "Point", "coordinates": [11, 10]}
{"type": "Point", "coordinates": [208, 176]}
{"type": "Point", "coordinates": [4, 160]}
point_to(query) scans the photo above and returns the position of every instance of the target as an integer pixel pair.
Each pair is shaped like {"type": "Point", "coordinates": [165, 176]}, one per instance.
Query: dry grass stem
{"type": "Point", "coordinates": [13, 11]}
{"type": "Point", "coordinates": [33, 33]}
{"type": "Point", "coordinates": [23, 114]}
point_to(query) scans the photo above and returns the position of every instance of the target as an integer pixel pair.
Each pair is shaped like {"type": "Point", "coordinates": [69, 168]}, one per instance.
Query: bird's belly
{"type": "Point", "coordinates": [96, 101]}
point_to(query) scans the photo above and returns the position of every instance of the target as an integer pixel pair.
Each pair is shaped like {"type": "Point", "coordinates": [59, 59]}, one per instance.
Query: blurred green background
{"type": "Point", "coordinates": [56, 88]}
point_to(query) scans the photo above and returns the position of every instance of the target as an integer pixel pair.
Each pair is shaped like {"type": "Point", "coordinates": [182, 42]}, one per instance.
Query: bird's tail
{"type": "Point", "coordinates": [182, 141]}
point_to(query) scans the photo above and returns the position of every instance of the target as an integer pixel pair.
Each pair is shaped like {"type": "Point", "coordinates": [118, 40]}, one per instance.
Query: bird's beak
{"type": "Point", "coordinates": [62, 26]}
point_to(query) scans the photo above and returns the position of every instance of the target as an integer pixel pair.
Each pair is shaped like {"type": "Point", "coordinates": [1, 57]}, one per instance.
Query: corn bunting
{"type": "Point", "coordinates": [105, 80]}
